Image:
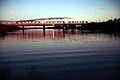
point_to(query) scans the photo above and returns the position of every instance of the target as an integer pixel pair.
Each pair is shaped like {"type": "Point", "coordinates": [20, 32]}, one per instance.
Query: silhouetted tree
{"type": "Point", "coordinates": [115, 19]}
{"type": "Point", "coordinates": [118, 19]}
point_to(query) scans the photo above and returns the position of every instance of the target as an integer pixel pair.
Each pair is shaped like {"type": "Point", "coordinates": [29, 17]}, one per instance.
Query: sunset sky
{"type": "Point", "coordinates": [79, 9]}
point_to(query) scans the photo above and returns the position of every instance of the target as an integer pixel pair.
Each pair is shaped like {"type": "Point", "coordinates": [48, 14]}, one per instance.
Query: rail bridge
{"type": "Point", "coordinates": [43, 23]}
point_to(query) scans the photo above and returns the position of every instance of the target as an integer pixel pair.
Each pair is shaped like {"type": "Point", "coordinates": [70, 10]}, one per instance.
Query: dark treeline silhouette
{"type": "Point", "coordinates": [6, 28]}
{"type": "Point", "coordinates": [110, 25]}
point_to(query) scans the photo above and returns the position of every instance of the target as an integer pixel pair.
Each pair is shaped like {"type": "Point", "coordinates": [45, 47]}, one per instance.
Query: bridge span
{"type": "Point", "coordinates": [43, 23]}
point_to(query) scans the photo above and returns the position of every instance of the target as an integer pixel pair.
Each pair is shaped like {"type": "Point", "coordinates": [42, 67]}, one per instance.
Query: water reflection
{"type": "Point", "coordinates": [57, 54]}
{"type": "Point", "coordinates": [52, 34]}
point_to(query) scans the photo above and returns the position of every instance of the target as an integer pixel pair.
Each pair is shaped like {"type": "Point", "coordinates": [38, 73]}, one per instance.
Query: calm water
{"type": "Point", "coordinates": [59, 55]}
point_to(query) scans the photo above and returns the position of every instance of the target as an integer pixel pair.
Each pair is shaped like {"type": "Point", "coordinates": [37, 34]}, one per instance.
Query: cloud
{"type": "Point", "coordinates": [101, 8]}
{"type": "Point", "coordinates": [97, 9]}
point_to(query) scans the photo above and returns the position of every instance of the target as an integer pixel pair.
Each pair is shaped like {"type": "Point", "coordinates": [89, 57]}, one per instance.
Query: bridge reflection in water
{"type": "Point", "coordinates": [31, 34]}
{"type": "Point", "coordinates": [57, 34]}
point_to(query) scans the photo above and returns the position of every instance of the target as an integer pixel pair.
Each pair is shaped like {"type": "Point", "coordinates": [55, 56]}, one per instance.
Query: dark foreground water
{"type": "Point", "coordinates": [59, 55]}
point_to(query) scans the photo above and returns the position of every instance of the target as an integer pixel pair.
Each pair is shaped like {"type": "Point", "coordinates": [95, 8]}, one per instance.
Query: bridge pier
{"type": "Point", "coordinates": [23, 27]}
{"type": "Point", "coordinates": [65, 27]}
{"type": "Point", "coordinates": [44, 28]}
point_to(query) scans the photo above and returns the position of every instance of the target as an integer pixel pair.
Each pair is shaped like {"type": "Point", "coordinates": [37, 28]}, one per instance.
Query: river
{"type": "Point", "coordinates": [56, 54]}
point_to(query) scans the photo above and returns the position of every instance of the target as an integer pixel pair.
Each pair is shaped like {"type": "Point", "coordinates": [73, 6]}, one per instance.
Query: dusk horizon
{"type": "Point", "coordinates": [89, 10]}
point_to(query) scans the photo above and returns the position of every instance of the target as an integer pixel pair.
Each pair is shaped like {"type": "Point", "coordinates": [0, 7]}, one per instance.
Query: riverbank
{"type": "Point", "coordinates": [104, 26]}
